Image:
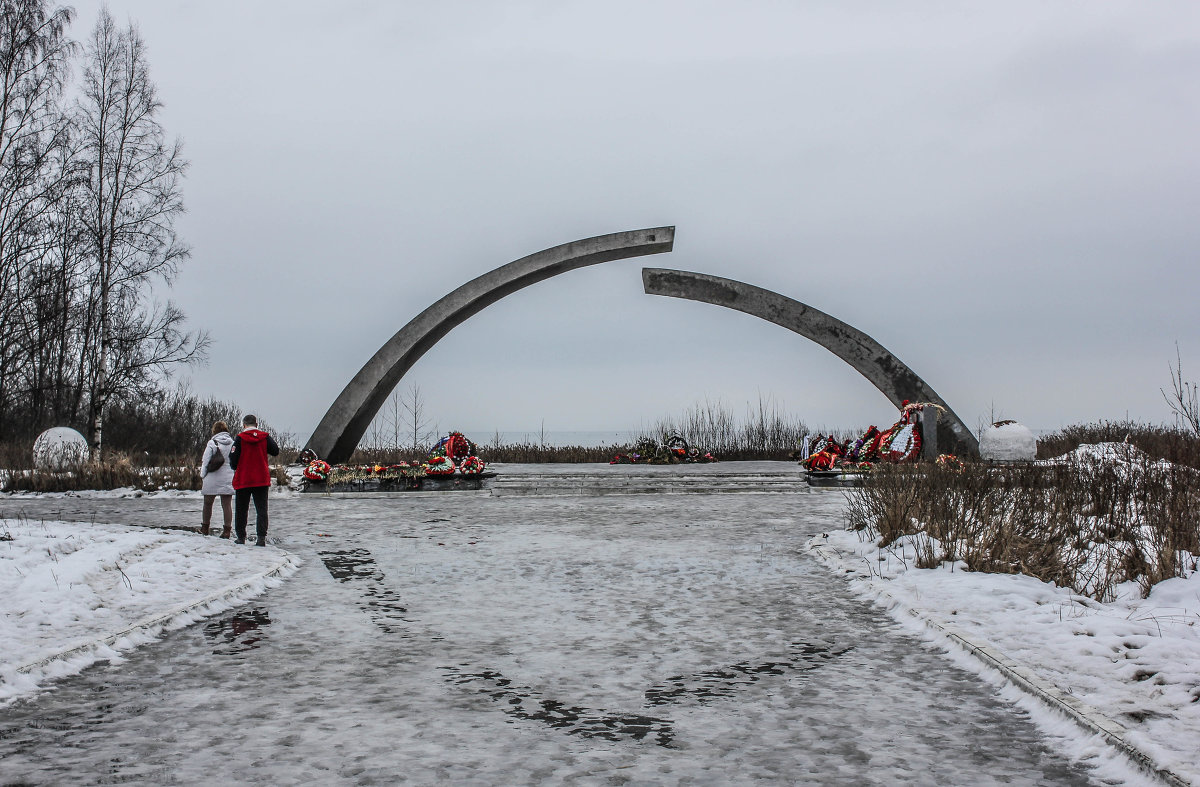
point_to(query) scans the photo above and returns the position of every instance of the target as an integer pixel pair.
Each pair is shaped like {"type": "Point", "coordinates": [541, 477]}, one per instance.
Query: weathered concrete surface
{"type": "Point", "coordinates": [885, 371]}
{"type": "Point", "coordinates": [351, 413]}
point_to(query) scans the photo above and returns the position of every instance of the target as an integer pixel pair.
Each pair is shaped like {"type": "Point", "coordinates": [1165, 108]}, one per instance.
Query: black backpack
{"type": "Point", "coordinates": [215, 461]}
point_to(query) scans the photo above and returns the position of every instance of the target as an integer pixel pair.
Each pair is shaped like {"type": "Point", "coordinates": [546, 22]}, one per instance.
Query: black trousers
{"type": "Point", "coordinates": [241, 510]}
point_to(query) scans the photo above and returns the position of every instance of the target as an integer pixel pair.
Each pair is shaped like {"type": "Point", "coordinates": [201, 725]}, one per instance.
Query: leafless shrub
{"type": "Point", "coordinates": [1159, 442]}
{"type": "Point", "coordinates": [765, 433]}
{"type": "Point", "coordinates": [115, 471]}
{"type": "Point", "coordinates": [1086, 524]}
{"type": "Point", "coordinates": [1184, 399]}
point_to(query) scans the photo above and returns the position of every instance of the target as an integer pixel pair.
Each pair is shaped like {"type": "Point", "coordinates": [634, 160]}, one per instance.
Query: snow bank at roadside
{"type": "Point", "coordinates": [1136, 661]}
{"type": "Point", "coordinates": [129, 491]}
{"type": "Point", "coordinates": [77, 593]}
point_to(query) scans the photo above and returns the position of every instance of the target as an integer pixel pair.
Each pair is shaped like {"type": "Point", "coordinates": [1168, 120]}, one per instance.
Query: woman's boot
{"type": "Point", "coordinates": [225, 533]}
{"type": "Point", "coordinates": [204, 530]}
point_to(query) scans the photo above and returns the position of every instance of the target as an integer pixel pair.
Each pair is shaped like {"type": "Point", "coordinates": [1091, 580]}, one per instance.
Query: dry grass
{"type": "Point", "coordinates": [280, 474]}
{"type": "Point", "coordinates": [530, 453]}
{"type": "Point", "coordinates": [764, 433]}
{"type": "Point", "coordinates": [1086, 524]}
{"type": "Point", "coordinates": [117, 471]}
{"type": "Point", "coordinates": [525, 453]}
{"type": "Point", "coordinates": [1159, 442]}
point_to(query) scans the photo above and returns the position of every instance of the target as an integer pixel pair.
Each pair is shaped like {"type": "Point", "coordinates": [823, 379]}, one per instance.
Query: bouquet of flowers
{"type": "Point", "coordinates": [317, 470]}
{"type": "Point", "coordinates": [472, 465]}
{"type": "Point", "coordinates": [439, 465]}
{"type": "Point", "coordinates": [455, 446]}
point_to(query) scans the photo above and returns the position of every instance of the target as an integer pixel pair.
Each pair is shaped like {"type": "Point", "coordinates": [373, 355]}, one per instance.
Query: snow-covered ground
{"type": "Point", "coordinates": [459, 638]}
{"type": "Point", "coordinates": [1135, 660]}
{"type": "Point", "coordinates": [76, 592]}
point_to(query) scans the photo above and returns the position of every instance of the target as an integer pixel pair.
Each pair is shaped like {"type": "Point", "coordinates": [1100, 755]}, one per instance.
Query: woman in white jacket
{"type": "Point", "coordinates": [218, 481]}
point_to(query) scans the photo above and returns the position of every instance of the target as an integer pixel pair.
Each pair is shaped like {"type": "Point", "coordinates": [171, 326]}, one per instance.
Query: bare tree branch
{"type": "Point", "coordinates": [1184, 399]}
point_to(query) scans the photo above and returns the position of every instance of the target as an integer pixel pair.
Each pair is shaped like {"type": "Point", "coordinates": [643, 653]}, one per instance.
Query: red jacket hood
{"type": "Point", "coordinates": [253, 436]}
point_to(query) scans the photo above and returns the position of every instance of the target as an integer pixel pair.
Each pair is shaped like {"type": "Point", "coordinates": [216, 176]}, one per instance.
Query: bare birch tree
{"type": "Point", "coordinates": [417, 426]}
{"type": "Point", "coordinates": [133, 198]}
{"type": "Point", "coordinates": [393, 414]}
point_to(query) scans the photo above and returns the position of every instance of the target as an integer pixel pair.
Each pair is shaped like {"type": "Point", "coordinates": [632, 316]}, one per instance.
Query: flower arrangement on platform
{"type": "Point", "coordinates": [455, 446]}
{"type": "Point", "coordinates": [472, 465]}
{"type": "Point", "coordinates": [673, 450]}
{"type": "Point", "coordinates": [439, 466]}
{"type": "Point", "coordinates": [677, 447]}
{"type": "Point", "coordinates": [454, 452]}
{"type": "Point", "coordinates": [827, 452]}
{"type": "Point", "coordinates": [405, 470]}
{"type": "Point", "coordinates": [901, 442]}
{"type": "Point", "coordinates": [317, 470]}
{"type": "Point", "coordinates": [825, 458]}
{"type": "Point", "coordinates": [950, 462]}
{"type": "Point", "coordinates": [865, 448]}
{"type": "Point", "coordinates": [340, 474]}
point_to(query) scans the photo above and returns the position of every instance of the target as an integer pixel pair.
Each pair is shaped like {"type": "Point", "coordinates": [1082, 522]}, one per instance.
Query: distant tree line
{"type": "Point", "coordinates": [90, 189]}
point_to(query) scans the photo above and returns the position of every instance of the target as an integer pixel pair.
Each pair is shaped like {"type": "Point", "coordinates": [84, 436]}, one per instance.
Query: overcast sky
{"type": "Point", "coordinates": [1005, 195]}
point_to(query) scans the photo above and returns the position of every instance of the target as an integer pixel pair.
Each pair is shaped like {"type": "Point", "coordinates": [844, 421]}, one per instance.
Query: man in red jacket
{"type": "Point", "coordinates": [251, 477]}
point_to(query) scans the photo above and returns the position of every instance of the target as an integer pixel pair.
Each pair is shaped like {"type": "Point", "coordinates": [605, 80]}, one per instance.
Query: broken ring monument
{"type": "Point", "coordinates": [346, 421]}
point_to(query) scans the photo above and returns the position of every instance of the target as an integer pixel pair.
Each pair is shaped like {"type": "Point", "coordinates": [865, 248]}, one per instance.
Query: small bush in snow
{"type": "Point", "coordinates": [1089, 521]}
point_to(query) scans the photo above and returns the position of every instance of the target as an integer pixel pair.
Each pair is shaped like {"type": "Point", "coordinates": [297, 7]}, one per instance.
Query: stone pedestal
{"type": "Point", "coordinates": [929, 443]}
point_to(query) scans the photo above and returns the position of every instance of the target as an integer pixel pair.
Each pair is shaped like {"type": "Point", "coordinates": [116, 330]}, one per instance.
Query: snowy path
{"type": "Point", "coordinates": [77, 592]}
{"type": "Point", "coordinates": [476, 640]}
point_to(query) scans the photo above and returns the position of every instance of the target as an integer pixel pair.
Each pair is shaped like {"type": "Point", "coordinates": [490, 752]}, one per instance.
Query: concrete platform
{"type": "Point", "coordinates": [592, 480]}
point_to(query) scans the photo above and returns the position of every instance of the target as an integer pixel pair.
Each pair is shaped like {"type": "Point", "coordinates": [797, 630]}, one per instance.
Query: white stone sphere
{"type": "Point", "coordinates": [60, 448]}
{"type": "Point", "coordinates": [1008, 443]}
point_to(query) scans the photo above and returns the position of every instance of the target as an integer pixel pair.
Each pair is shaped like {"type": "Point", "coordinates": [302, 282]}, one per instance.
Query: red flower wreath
{"type": "Point", "coordinates": [950, 462]}
{"type": "Point", "coordinates": [317, 470]}
{"type": "Point", "coordinates": [472, 465]}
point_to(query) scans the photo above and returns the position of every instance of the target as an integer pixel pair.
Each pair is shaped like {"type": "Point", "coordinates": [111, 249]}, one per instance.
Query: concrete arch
{"type": "Point", "coordinates": [885, 371]}
{"type": "Point", "coordinates": [347, 419]}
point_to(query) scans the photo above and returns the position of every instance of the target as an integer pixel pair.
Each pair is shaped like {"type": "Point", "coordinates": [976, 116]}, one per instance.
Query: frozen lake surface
{"type": "Point", "coordinates": [472, 639]}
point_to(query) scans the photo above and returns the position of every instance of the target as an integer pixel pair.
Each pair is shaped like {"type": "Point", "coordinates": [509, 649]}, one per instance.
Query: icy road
{"type": "Point", "coordinates": [473, 639]}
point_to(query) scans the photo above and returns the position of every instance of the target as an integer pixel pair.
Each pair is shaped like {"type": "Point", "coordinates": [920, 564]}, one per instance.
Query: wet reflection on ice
{"type": "Point", "coordinates": [239, 632]}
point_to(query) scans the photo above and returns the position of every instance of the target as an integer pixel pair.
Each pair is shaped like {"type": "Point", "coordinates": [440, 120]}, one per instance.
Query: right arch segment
{"type": "Point", "coordinates": [885, 371]}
